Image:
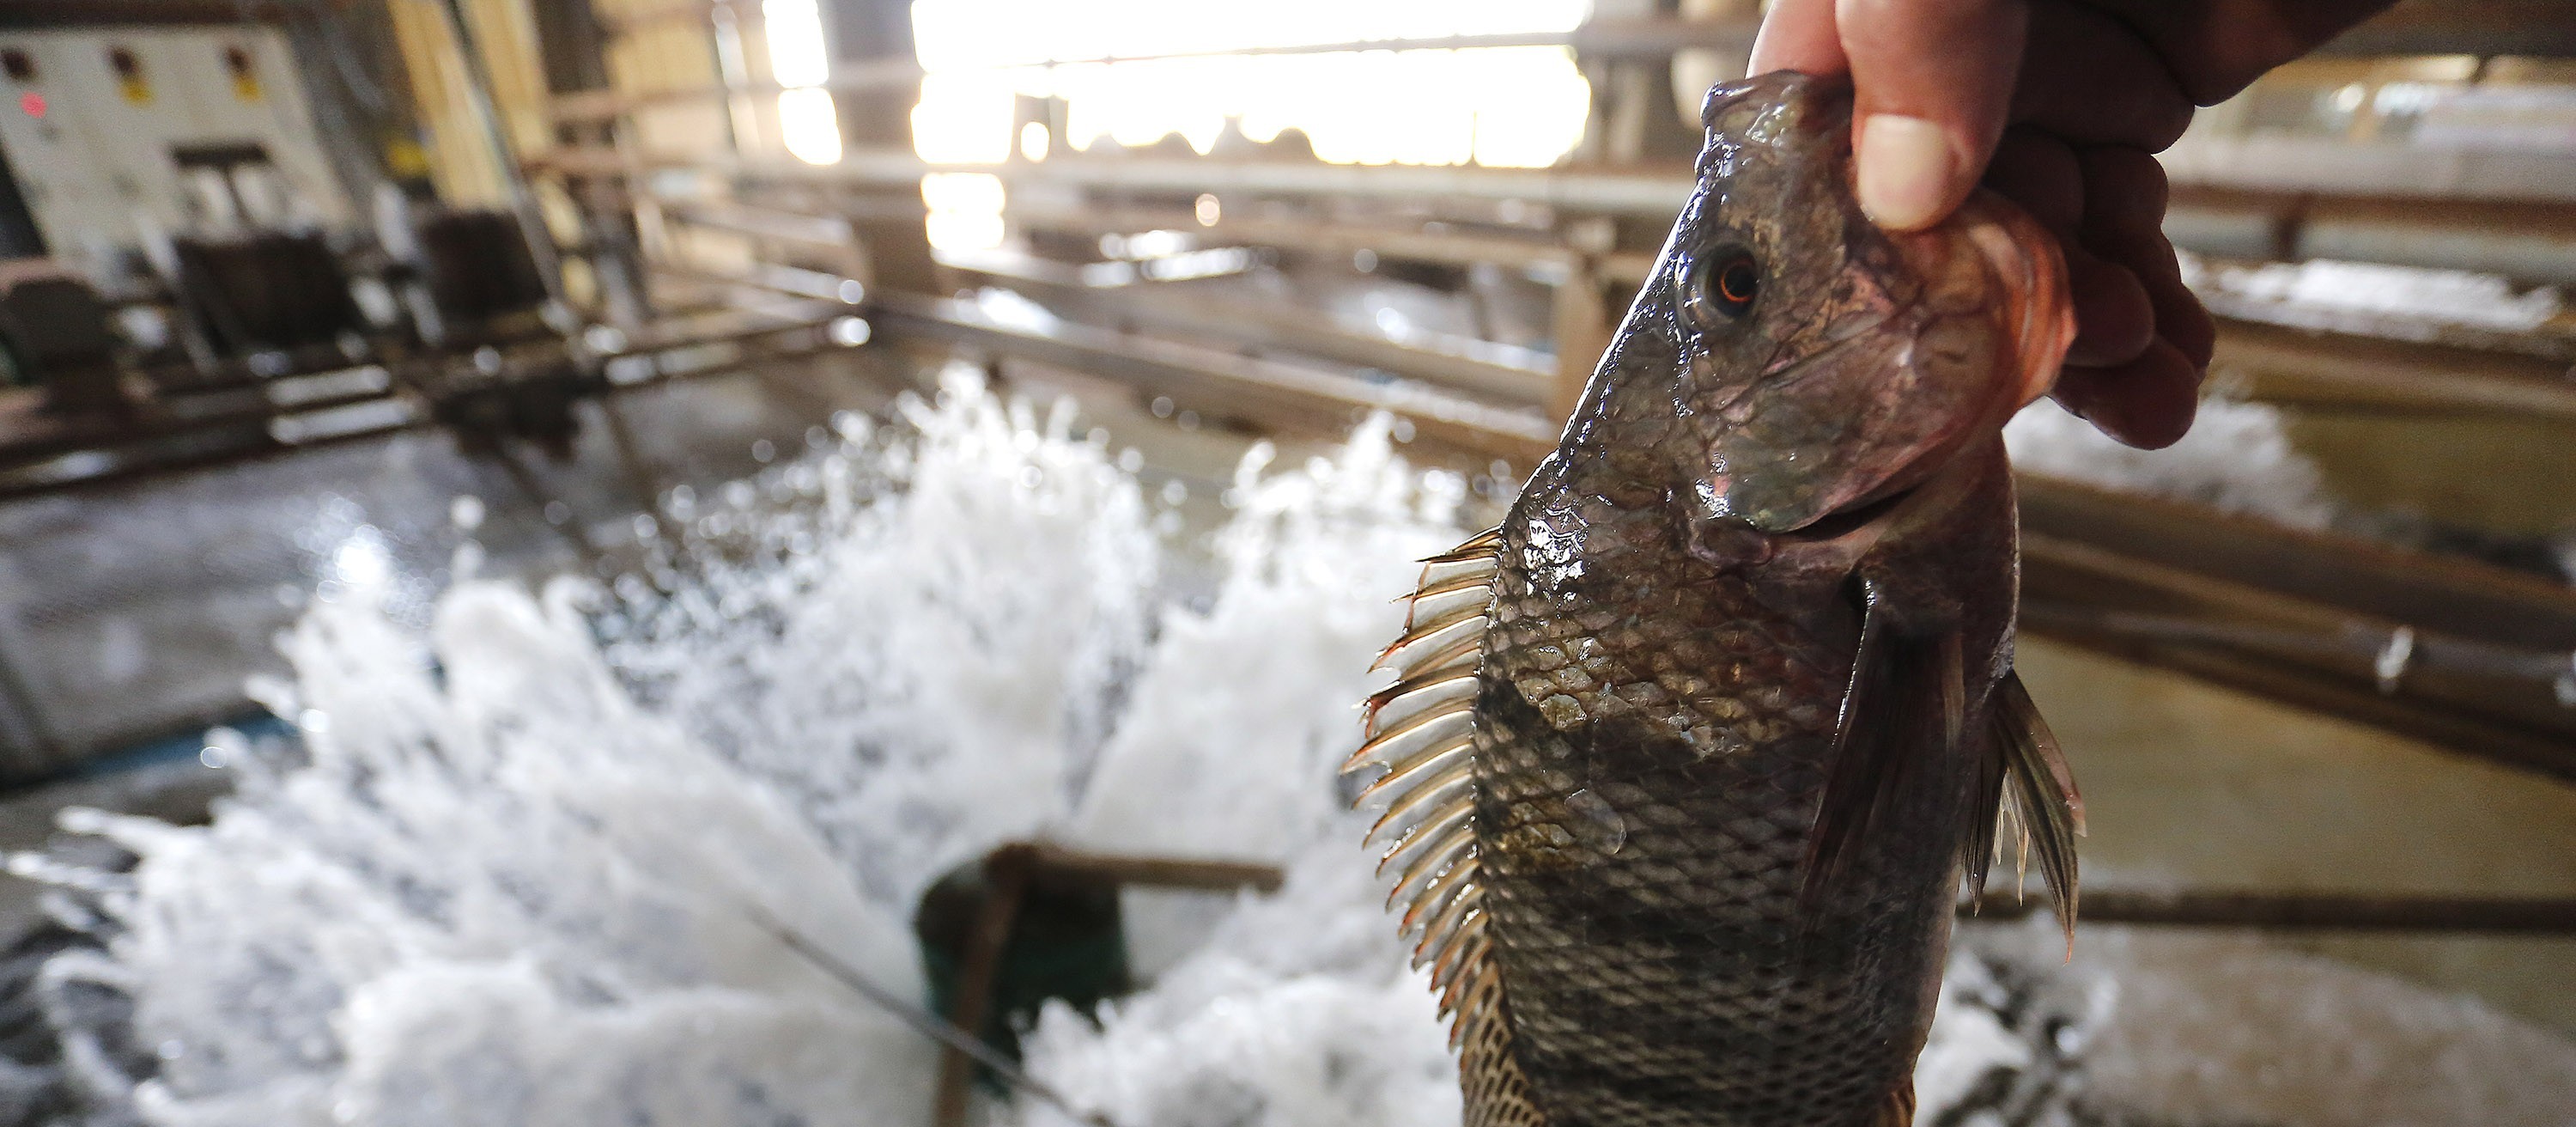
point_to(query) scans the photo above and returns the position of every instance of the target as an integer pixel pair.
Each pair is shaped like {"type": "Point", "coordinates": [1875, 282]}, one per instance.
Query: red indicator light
{"type": "Point", "coordinates": [33, 103]}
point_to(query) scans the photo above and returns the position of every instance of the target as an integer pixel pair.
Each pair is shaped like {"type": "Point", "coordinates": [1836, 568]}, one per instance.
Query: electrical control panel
{"type": "Point", "coordinates": [118, 135]}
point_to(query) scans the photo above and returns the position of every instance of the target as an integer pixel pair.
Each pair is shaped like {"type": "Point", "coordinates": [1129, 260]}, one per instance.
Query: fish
{"type": "Point", "coordinates": [1687, 760]}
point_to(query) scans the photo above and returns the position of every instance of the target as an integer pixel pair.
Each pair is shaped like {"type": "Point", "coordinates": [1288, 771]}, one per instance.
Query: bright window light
{"type": "Point", "coordinates": [807, 120]}
{"type": "Point", "coordinates": [965, 210]}
{"type": "Point", "coordinates": [963, 119]}
{"type": "Point", "coordinates": [1505, 106]}
{"type": "Point", "coordinates": [795, 31]}
{"type": "Point", "coordinates": [810, 125]}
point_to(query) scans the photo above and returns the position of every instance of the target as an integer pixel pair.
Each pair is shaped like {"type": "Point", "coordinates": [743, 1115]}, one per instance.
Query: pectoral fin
{"type": "Point", "coordinates": [1902, 713]}
{"type": "Point", "coordinates": [2026, 797]}
{"type": "Point", "coordinates": [1897, 1110]}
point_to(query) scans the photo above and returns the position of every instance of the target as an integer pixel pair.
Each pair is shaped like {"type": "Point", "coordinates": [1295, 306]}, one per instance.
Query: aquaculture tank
{"type": "Point", "coordinates": [648, 847]}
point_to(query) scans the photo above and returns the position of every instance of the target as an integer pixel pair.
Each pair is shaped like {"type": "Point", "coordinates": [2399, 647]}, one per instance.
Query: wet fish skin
{"type": "Point", "coordinates": [1736, 719]}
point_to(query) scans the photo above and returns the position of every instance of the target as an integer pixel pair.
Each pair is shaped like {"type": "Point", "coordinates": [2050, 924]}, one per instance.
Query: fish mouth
{"type": "Point", "coordinates": [1844, 521]}
{"type": "Point", "coordinates": [2038, 311]}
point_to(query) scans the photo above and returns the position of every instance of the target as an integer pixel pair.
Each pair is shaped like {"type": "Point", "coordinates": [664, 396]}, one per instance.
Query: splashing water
{"type": "Point", "coordinates": [523, 866]}
{"type": "Point", "coordinates": [520, 872]}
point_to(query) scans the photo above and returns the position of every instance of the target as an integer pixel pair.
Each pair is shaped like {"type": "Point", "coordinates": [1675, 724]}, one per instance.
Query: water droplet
{"type": "Point", "coordinates": [1596, 823]}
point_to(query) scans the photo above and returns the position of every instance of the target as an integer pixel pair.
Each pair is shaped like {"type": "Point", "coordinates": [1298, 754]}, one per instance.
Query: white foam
{"type": "Point", "coordinates": [2237, 458]}
{"type": "Point", "coordinates": [503, 889]}
{"type": "Point", "coordinates": [2369, 296]}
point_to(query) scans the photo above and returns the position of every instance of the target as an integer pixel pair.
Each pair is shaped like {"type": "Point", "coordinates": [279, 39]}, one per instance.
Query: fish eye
{"type": "Point", "coordinates": [1723, 286]}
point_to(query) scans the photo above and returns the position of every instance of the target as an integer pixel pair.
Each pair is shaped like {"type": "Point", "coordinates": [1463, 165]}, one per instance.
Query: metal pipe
{"type": "Point", "coordinates": [1006, 873]}
{"type": "Point", "coordinates": [1225, 380]}
{"type": "Point", "coordinates": [253, 424]}
{"type": "Point", "coordinates": [1158, 872]}
{"type": "Point", "coordinates": [2303, 911]}
{"type": "Point", "coordinates": [2521, 225]}
{"type": "Point", "coordinates": [922, 1021]}
{"type": "Point", "coordinates": [1258, 326]}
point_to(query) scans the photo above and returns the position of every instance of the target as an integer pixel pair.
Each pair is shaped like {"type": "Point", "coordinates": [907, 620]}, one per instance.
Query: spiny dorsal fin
{"type": "Point", "coordinates": [2028, 794]}
{"type": "Point", "coordinates": [1903, 708]}
{"type": "Point", "coordinates": [1419, 736]}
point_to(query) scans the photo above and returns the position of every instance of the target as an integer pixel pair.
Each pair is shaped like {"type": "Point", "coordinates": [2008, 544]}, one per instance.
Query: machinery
{"type": "Point", "coordinates": [117, 135]}
{"type": "Point", "coordinates": [207, 252]}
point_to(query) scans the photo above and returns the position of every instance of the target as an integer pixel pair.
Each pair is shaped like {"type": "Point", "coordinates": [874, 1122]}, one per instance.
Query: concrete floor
{"type": "Point", "coordinates": [2193, 786]}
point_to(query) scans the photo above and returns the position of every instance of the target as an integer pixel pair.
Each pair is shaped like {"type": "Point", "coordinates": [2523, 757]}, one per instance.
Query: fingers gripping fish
{"type": "Point", "coordinates": [1686, 760]}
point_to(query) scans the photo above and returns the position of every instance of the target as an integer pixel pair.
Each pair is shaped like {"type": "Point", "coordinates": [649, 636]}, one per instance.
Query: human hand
{"type": "Point", "coordinates": [2058, 105]}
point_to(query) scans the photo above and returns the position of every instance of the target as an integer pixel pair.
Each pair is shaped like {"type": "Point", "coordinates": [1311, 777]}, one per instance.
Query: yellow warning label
{"type": "Point", "coordinates": [404, 157]}
{"type": "Point", "coordinates": [245, 71]}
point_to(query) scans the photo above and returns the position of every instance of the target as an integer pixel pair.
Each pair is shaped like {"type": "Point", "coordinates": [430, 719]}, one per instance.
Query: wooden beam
{"type": "Point", "coordinates": [2528, 28]}
{"type": "Point", "coordinates": [1265, 327]}
{"type": "Point", "coordinates": [1315, 396]}
{"type": "Point", "coordinates": [2337, 371]}
{"type": "Point", "coordinates": [2458, 596]}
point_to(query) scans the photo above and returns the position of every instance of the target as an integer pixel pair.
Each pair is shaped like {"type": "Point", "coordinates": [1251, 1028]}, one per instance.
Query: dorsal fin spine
{"type": "Point", "coordinates": [1438, 834]}
{"type": "Point", "coordinates": [1428, 750]}
{"type": "Point", "coordinates": [1435, 892]}
{"type": "Point", "coordinates": [1411, 727]}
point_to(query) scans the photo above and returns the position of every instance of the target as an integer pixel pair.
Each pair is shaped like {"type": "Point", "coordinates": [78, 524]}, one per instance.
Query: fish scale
{"type": "Point", "coordinates": [1673, 977]}
{"type": "Point", "coordinates": [1685, 760]}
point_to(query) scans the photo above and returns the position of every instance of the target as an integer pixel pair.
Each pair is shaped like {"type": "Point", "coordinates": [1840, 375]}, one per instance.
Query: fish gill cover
{"type": "Point", "coordinates": [523, 867]}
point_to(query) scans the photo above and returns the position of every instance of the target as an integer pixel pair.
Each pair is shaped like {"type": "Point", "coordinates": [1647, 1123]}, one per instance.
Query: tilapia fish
{"type": "Point", "coordinates": [1687, 759]}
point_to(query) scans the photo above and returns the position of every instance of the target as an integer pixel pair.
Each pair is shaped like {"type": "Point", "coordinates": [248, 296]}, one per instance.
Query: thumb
{"type": "Point", "coordinates": [1931, 83]}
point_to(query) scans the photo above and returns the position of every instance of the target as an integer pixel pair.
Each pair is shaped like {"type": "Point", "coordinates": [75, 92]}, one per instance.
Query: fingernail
{"type": "Point", "coordinates": [1906, 166]}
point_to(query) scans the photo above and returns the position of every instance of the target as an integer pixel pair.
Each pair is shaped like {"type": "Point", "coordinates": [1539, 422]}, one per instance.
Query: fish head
{"type": "Point", "coordinates": [1819, 364]}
